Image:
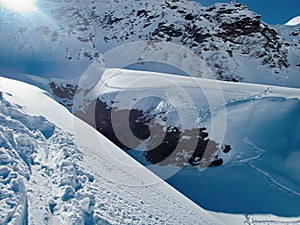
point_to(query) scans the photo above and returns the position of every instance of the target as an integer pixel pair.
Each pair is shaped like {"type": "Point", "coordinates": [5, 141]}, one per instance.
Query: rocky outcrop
{"type": "Point", "coordinates": [63, 93]}
{"type": "Point", "coordinates": [218, 34]}
{"type": "Point", "coordinates": [174, 149]}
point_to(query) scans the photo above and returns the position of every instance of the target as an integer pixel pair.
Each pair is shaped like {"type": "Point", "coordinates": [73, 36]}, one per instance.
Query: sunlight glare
{"type": "Point", "coordinates": [20, 6]}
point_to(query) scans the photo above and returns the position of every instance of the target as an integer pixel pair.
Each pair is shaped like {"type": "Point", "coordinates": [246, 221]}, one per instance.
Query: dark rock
{"type": "Point", "coordinates": [172, 150]}
{"type": "Point", "coordinates": [226, 148]}
{"type": "Point", "coordinates": [141, 13]}
{"type": "Point", "coordinates": [189, 17]}
{"type": "Point", "coordinates": [63, 91]}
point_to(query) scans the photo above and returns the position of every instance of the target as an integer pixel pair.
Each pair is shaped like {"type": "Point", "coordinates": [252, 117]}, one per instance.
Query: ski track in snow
{"type": "Point", "coordinates": [209, 111]}
{"type": "Point", "coordinates": [267, 175]}
{"type": "Point", "coordinates": [38, 168]}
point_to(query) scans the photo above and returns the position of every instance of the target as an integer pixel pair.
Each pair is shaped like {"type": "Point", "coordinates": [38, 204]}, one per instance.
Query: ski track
{"type": "Point", "coordinates": [192, 89]}
{"type": "Point", "coordinates": [264, 173]}
{"type": "Point", "coordinates": [55, 182]}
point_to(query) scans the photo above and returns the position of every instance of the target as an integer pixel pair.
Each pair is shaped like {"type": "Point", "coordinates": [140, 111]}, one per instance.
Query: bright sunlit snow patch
{"type": "Point", "coordinates": [21, 6]}
{"type": "Point", "coordinates": [293, 22]}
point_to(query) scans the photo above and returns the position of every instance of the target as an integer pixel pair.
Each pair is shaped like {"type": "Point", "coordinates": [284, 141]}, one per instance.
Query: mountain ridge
{"type": "Point", "coordinates": [227, 36]}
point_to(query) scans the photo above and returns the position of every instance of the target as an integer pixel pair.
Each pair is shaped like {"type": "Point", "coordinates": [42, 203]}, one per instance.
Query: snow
{"type": "Point", "coordinates": [37, 103]}
{"type": "Point", "coordinates": [259, 181]}
{"type": "Point", "coordinates": [56, 169]}
{"type": "Point", "coordinates": [191, 97]}
{"type": "Point", "coordinates": [26, 6]}
{"type": "Point", "coordinates": [235, 219]}
{"type": "Point", "coordinates": [255, 170]}
{"type": "Point", "coordinates": [55, 166]}
{"type": "Point", "coordinates": [62, 39]}
{"type": "Point", "coordinates": [294, 21]}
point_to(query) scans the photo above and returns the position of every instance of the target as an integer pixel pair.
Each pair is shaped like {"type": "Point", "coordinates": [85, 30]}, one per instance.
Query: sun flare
{"type": "Point", "coordinates": [21, 6]}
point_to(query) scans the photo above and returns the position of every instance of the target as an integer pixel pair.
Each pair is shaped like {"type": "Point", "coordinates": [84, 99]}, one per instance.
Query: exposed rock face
{"type": "Point", "coordinates": [227, 36]}
{"type": "Point", "coordinates": [217, 34]}
{"type": "Point", "coordinates": [64, 93]}
{"type": "Point", "coordinates": [174, 149]}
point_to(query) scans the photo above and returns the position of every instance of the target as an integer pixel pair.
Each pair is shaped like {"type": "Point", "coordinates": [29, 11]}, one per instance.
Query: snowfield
{"type": "Point", "coordinates": [260, 175]}
{"type": "Point", "coordinates": [56, 169]}
{"type": "Point", "coordinates": [217, 68]}
{"type": "Point", "coordinates": [47, 177]}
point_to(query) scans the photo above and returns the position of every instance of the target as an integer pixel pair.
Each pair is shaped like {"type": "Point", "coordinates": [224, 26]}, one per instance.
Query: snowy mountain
{"type": "Point", "coordinates": [66, 35]}
{"type": "Point", "coordinates": [291, 34]}
{"type": "Point", "coordinates": [55, 169]}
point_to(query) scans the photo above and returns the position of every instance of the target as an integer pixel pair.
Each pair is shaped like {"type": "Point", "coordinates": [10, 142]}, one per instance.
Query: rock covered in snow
{"type": "Point", "coordinates": [232, 40]}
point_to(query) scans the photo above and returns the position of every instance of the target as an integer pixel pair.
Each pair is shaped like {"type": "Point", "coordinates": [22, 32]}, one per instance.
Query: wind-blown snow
{"type": "Point", "coordinates": [50, 176]}
{"type": "Point", "coordinates": [293, 22]}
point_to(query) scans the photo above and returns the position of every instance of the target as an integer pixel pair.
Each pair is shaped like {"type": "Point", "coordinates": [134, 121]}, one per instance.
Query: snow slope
{"type": "Point", "coordinates": [260, 175]}
{"type": "Point", "coordinates": [55, 169]}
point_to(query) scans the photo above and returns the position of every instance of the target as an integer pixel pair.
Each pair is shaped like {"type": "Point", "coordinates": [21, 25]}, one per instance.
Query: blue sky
{"type": "Point", "coordinates": [272, 11]}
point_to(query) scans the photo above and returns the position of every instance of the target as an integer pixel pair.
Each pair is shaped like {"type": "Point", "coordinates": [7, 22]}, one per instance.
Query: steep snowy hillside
{"type": "Point", "coordinates": [55, 169]}
{"type": "Point", "coordinates": [260, 124]}
{"type": "Point", "coordinates": [62, 37]}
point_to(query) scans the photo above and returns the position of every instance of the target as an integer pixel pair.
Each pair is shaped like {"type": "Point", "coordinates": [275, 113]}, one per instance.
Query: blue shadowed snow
{"type": "Point", "coordinates": [235, 189]}
{"type": "Point", "coordinates": [43, 68]}
{"type": "Point", "coordinates": [263, 174]}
